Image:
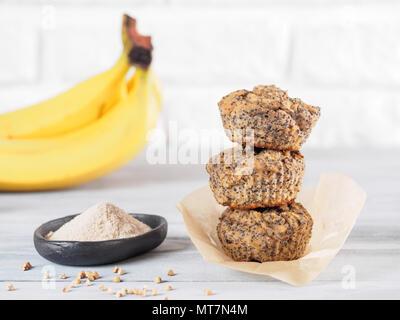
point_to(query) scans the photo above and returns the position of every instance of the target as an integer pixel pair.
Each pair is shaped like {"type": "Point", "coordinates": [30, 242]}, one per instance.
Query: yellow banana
{"type": "Point", "coordinates": [155, 84]}
{"type": "Point", "coordinates": [68, 111]}
{"type": "Point", "coordinates": [86, 142]}
{"type": "Point", "coordinates": [29, 146]}
{"type": "Point", "coordinates": [84, 103]}
{"type": "Point", "coordinates": [87, 153]}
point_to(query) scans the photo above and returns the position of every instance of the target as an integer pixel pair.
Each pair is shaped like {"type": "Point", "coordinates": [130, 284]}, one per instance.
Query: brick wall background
{"type": "Point", "coordinates": [343, 56]}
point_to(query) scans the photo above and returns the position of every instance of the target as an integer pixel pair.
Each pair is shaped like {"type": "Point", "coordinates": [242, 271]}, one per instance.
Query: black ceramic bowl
{"type": "Point", "coordinates": [89, 253]}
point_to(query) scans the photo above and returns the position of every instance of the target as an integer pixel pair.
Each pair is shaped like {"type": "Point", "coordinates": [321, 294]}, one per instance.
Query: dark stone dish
{"type": "Point", "coordinates": [90, 253]}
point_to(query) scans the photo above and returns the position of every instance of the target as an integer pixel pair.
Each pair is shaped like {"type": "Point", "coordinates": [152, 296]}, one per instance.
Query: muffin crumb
{"type": "Point", "coordinates": [121, 271]}
{"type": "Point", "coordinates": [26, 266]}
{"type": "Point", "coordinates": [157, 280]}
{"type": "Point", "coordinates": [208, 292]}
{"type": "Point", "coordinates": [171, 272]}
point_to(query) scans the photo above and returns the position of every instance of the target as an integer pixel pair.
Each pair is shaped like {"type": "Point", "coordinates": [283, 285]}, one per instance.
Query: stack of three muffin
{"type": "Point", "coordinates": [259, 179]}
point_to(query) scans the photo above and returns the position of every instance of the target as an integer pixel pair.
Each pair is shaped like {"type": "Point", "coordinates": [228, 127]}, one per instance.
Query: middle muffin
{"type": "Point", "coordinates": [246, 179]}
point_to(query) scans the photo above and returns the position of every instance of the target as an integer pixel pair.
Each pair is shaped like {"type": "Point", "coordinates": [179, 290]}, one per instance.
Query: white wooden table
{"type": "Point", "coordinates": [373, 247]}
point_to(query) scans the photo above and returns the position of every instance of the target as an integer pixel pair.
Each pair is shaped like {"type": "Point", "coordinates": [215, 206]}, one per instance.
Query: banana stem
{"type": "Point", "coordinates": [138, 47]}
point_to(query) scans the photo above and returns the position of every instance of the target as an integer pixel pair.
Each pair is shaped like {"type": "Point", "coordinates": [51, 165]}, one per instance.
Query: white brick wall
{"type": "Point", "coordinates": [348, 48]}
{"type": "Point", "coordinates": [19, 51]}
{"type": "Point", "coordinates": [341, 55]}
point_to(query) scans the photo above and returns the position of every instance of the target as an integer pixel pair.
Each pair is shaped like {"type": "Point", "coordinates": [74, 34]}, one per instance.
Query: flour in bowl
{"type": "Point", "coordinates": [103, 221]}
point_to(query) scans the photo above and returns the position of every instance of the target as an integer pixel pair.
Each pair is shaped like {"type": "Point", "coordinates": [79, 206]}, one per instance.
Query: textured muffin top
{"type": "Point", "coordinates": [288, 216]}
{"type": "Point", "coordinates": [265, 234]}
{"type": "Point", "coordinates": [270, 98]}
{"type": "Point", "coordinates": [243, 160]}
{"type": "Point", "coordinates": [276, 221]}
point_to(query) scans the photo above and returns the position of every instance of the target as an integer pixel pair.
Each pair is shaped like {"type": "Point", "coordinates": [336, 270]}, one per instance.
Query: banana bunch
{"type": "Point", "coordinates": [87, 131]}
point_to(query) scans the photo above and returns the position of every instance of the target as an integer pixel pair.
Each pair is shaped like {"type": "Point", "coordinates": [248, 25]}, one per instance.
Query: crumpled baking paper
{"type": "Point", "coordinates": [334, 206]}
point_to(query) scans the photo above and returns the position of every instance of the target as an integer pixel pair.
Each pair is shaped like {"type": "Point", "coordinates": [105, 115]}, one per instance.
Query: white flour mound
{"type": "Point", "coordinates": [103, 221]}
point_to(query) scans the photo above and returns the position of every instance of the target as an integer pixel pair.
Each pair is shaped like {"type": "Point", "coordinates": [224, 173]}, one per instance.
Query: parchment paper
{"type": "Point", "coordinates": [334, 206]}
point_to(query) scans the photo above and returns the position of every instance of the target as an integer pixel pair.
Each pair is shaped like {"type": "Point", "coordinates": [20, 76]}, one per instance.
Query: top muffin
{"type": "Point", "coordinates": [277, 121]}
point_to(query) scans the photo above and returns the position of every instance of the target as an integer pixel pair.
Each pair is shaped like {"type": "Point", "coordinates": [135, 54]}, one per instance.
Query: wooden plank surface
{"type": "Point", "coordinates": [373, 248]}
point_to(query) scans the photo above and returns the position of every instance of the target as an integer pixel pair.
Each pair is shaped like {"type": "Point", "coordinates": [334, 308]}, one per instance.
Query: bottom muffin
{"type": "Point", "coordinates": [265, 234]}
